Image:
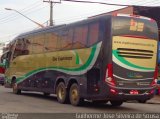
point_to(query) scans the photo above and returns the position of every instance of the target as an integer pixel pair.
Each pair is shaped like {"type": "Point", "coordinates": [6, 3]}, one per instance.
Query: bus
{"type": "Point", "coordinates": [106, 58]}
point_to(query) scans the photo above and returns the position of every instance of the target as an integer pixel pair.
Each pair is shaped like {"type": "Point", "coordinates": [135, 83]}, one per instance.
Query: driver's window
{"type": "Point", "coordinates": [5, 59]}
{"type": "Point", "coordinates": [18, 48]}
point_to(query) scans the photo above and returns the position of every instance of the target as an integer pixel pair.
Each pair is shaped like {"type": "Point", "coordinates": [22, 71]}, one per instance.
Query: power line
{"type": "Point", "coordinates": [104, 3]}
{"type": "Point", "coordinates": [14, 34]}
{"type": "Point", "coordinates": [51, 10]}
{"type": "Point", "coordinates": [31, 5]}
{"type": "Point", "coordinates": [100, 3]}
{"type": "Point", "coordinates": [79, 1]}
{"type": "Point", "coordinates": [27, 10]}
{"type": "Point", "coordinates": [14, 18]}
{"type": "Point", "coordinates": [6, 20]}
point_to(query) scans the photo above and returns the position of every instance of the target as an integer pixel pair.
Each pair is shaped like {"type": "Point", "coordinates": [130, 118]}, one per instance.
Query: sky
{"type": "Point", "coordinates": [12, 23]}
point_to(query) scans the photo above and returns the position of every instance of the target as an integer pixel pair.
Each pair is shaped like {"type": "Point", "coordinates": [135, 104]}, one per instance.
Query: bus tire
{"type": "Point", "coordinates": [74, 95]}
{"type": "Point", "coordinates": [15, 89]}
{"type": "Point", "coordinates": [116, 103]}
{"type": "Point", "coordinates": [61, 93]}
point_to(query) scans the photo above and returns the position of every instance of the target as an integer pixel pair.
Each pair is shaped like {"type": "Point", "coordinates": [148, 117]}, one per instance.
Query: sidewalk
{"type": "Point", "coordinates": [155, 99]}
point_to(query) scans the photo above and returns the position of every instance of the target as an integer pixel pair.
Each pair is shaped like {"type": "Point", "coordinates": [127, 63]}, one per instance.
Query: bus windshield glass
{"type": "Point", "coordinates": [134, 26]}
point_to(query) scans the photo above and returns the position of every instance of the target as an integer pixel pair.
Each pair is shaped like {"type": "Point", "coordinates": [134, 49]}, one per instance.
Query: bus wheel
{"type": "Point", "coordinates": [74, 95]}
{"type": "Point", "coordinates": [116, 103]}
{"type": "Point", "coordinates": [15, 89]}
{"type": "Point", "coordinates": [61, 93]}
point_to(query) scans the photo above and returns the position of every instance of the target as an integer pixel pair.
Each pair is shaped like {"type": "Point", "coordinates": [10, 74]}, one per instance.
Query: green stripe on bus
{"type": "Point", "coordinates": [62, 69]}
{"type": "Point", "coordinates": [77, 57]}
{"type": "Point", "coordinates": [121, 59]}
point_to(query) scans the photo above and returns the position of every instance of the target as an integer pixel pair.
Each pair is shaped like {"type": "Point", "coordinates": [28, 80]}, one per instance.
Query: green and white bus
{"type": "Point", "coordinates": [106, 58]}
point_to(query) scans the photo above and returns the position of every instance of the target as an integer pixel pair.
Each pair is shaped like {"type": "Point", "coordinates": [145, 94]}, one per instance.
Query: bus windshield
{"type": "Point", "coordinates": [134, 26]}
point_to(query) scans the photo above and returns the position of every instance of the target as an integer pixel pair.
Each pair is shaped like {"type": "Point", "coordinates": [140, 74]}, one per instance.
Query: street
{"type": "Point", "coordinates": [29, 102]}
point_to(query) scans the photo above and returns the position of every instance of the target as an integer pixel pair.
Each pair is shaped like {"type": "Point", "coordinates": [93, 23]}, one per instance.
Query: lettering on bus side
{"type": "Point", "coordinates": [61, 58]}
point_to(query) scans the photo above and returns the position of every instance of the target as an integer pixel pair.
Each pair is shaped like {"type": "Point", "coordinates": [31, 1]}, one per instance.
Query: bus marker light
{"type": "Point", "coordinates": [96, 89]}
{"type": "Point", "coordinates": [113, 91]}
{"type": "Point", "coordinates": [154, 82]}
{"type": "Point", "coordinates": [152, 91]}
{"type": "Point", "coordinates": [110, 81]}
{"type": "Point", "coordinates": [109, 75]}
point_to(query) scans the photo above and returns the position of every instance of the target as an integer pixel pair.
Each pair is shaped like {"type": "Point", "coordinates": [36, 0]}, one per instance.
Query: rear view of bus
{"type": "Point", "coordinates": [134, 57]}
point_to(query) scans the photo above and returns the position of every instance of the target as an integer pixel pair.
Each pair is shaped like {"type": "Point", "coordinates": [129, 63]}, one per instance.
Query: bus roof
{"type": "Point", "coordinates": [50, 28]}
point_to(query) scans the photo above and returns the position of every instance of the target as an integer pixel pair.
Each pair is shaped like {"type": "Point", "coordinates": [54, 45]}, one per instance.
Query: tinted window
{"type": "Point", "coordinates": [27, 47]}
{"type": "Point", "coordinates": [70, 38]}
{"type": "Point", "coordinates": [80, 37]}
{"type": "Point", "coordinates": [51, 41]}
{"type": "Point", "coordinates": [18, 48]}
{"type": "Point", "coordinates": [93, 33]}
{"type": "Point", "coordinates": [29, 41]}
{"type": "Point", "coordinates": [65, 39]}
{"type": "Point", "coordinates": [134, 26]}
{"type": "Point", "coordinates": [38, 43]}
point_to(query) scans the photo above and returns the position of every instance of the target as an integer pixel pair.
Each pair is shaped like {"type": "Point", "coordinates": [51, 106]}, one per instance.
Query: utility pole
{"type": "Point", "coordinates": [51, 10]}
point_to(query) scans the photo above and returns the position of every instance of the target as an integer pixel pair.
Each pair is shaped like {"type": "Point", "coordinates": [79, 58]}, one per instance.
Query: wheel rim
{"type": "Point", "coordinates": [74, 95]}
{"type": "Point", "coordinates": [61, 93]}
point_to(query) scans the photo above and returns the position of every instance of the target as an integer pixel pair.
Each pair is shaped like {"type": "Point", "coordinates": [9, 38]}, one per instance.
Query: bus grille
{"type": "Point", "coordinates": [134, 53]}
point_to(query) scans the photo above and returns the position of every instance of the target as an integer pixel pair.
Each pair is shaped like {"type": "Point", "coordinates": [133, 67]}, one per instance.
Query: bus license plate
{"type": "Point", "coordinates": [134, 92]}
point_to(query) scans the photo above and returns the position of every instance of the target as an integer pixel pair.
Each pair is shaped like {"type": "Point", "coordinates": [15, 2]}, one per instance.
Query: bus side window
{"type": "Point", "coordinates": [21, 48]}
{"type": "Point", "coordinates": [93, 33]}
{"type": "Point", "coordinates": [18, 48]}
{"type": "Point", "coordinates": [65, 41]}
{"type": "Point", "coordinates": [26, 44]}
{"type": "Point", "coordinates": [38, 43]}
{"type": "Point", "coordinates": [80, 37]}
{"type": "Point", "coordinates": [70, 38]}
{"type": "Point", "coordinates": [50, 40]}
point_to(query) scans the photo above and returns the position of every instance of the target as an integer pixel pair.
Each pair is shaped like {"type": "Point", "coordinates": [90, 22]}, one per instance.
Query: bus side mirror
{"type": "Point", "coordinates": [5, 63]}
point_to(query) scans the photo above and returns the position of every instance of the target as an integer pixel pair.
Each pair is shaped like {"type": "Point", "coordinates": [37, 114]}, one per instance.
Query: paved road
{"type": "Point", "coordinates": [37, 103]}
